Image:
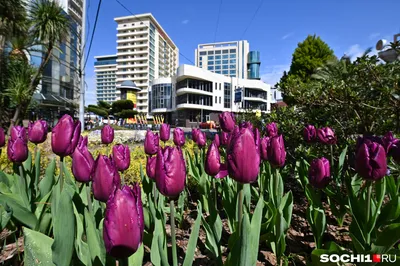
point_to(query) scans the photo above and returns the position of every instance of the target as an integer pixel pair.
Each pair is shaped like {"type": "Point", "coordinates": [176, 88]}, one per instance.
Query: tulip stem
{"type": "Point", "coordinates": [331, 146]}
{"type": "Point", "coordinates": [369, 193]}
{"type": "Point", "coordinates": [155, 192]}
{"type": "Point", "coordinates": [215, 194]}
{"type": "Point", "coordinates": [240, 208]}
{"type": "Point", "coordinates": [123, 262]}
{"type": "Point", "coordinates": [173, 235]}
{"type": "Point", "coordinates": [89, 198]}
{"type": "Point", "coordinates": [61, 173]}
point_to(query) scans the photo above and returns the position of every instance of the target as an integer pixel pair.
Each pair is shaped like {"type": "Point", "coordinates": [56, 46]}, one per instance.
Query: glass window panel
{"type": "Point", "coordinates": [217, 67]}
{"type": "Point", "coordinates": [210, 57]}
{"type": "Point", "coordinates": [225, 56]}
{"type": "Point", "coordinates": [217, 57]}
{"type": "Point", "coordinates": [225, 67]}
{"type": "Point", "coordinates": [233, 66]}
{"type": "Point", "coordinates": [232, 55]}
{"type": "Point", "coordinates": [225, 51]}
{"type": "Point", "coordinates": [232, 50]}
{"type": "Point", "coordinates": [232, 61]}
{"type": "Point", "coordinates": [210, 63]}
{"type": "Point", "coordinates": [232, 71]}
{"type": "Point", "coordinates": [210, 52]}
{"type": "Point", "coordinates": [218, 52]}
{"type": "Point", "coordinates": [225, 61]}
{"type": "Point", "coordinates": [202, 53]}
{"type": "Point", "coordinates": [218, 62]}
{"type": "Point", "coordinates": [218, 71]}
{"type": "Point", "coordinates": [225, 72]}
{"type": "Point", "coordinates": [210, 67]}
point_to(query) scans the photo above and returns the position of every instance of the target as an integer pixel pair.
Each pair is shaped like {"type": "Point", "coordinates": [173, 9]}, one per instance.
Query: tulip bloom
{"type": "Point", "coordinates": [123, 222]}
{"type": "Point", "coordinates": [277, 152]}
{"type": "Point", "coordinates": [2, 137]}
{"type": "Point", "coordinates": [17, 148]}
{"type": "Point", "coordinates": [82, 161]}
{"type": "Point", "coordinates": [121, 157]}
{"type": "Point", "coordinates": [151, 143]}
{"type": "Point", "coordinates": [105, 178]}
{"type": "Point", "coordinates": [319, 173]}
{"type": "Point", "coordinates": [389, 142]}
{"type": "Point", "coordinates": [217, 141]}
{"type": "Point", "coordinates": [264, 148]}
{"type": "Point", "coordinates": [272, 130]}
{"type": "Point", "coordinates": [213, 165]}
{"type": "Point", "coordinates": [224, 138]}
{"type": "Point", "coordinates": [201, 139]}
{"type": "Point", "coordinates": [368, 138]}
{"type": "Point", "coordinates": [326, 136]}
{"type": "Point", "coordinates": [151, 167]}
{"type": "Point", "coordinates": [107, 134]}
{"type": "Point", "coordinates": [243, 154]}
{"type": "Point", "coordinates": [195, 134]}
{"type": "Point", "coordinates": [37, 131]}
{"type": "Point", "coordinates": [170, 171]}
{"type": "Point", "coordinates": [227, 121]}
{"type": "Point", "coordinates": [309, 133]}
{"type": "Point", "coordinates": [371, 161]}
{"type": "Point", "coordinates": [179, 137]}
{"type": "Point", "coordinates": [165, 131]}
{"type": "Point", "coordinates": [65, 136]}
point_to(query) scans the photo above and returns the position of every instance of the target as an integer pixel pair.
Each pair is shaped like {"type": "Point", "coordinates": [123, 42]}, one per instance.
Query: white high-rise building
{"type": "Point", "coordinates": [105, 69]}
{"type": "Point", "coordinates": [226, 58]}
{"type": "Point", "coordinates": [144, 52]}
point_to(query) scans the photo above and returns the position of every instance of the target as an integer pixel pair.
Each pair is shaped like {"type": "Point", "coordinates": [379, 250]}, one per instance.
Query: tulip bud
{"type": "Point", "coordinates": [121, 157]}
{"type": "Point", "coordinates": [17, 149]}
{"type": "Point", "coordinates": [227, 121]}
{"type": "Point", "coordinates": [224, 138]}
{"type": "Point", "coordinates": [366, 138]}
{"type": "Point", "coordinates": [309, 133]}
{"type": "Point", "coordinates": [65, 136]}
{"type": "Point", "coordinates": [82, 161]}
{"type": "Point", "coordinates": [170, 171]}
{"type": "Point", "coordinates": [389, 141]}
{"type": "Point", "coordinates": [151, 143]}
{"type": "Point", "coordinates": [216, 140]}
{"type": "Point", "coordinates": [2, 137]}
{"type": "Point", "coordinates": [319, 173]}
{"type": "Point", "coordinates": [37, 131]}
{"type": "Point", "coordinates": [326, 136]}
{"type": "Point", "coordinates": [277, 152]}
{"type": "Point", "coordinates": [243, 155]}
{"type": "Point", "coordinates": [201, 139]}
{"type": "Point", "coordinates": [105, 178]}
{"type": "Point", "coordinates": [165, 131]}
{"type": "Point", "coordinates": [272, 130]}
{"type": "Point", "coordinates": [264, 148]}
{"type": "Point", "coordinates": [179, 137]}
{"type": "Point", "coordinates": [371, 161]}
{"type": "Point", "coordinates": [123, 222]}
{"type": "Point", "coordinates": [151, 167]}
{"type": "Point", "coordinates": [213, 162]}
{"type": "Point", "coordinates": [107, 134]}
{"type": "Point", "coordinates": [195, 134]}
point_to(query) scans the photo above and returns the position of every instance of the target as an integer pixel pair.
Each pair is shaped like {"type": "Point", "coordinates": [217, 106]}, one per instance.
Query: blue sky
{"type": "Point", "coordinates": [349, 27]}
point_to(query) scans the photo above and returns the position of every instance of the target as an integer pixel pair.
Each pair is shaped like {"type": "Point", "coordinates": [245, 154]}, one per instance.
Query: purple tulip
{"type": "Point", "coordinates": [37, 131]}
{"type": "Point", "coordinates": [65, 136]}
{"type": "Point", "coordinates": [17, 149]}
{"type": "Point", "coordinates": [201, 139]}
{"type": "Point", "coordinates": [224, 138]}
{"type": "Point", "coordinates": [309, 133]}
{"type": "Point", "coordinates": [368, 138]}
{"type": "Point", "coordinates": [2, 138]}
{"type": "Point", "coordinates": [264, 148]}
{"type": "Point", "coordinates": [151, 143]}
{"type": "Point", "coordinates": [277, 152]}
{"type": "Point", "coordinates": [105, 178]}
{"type": "Point", "coordinates": [213, 165]}
{"type": "Point", "coordinates": [227, 121]}
{"type": "Point", "coordinates": [319, 173]}
{"type": "Point", "coordinates": [272, 130]}
{"type": "Point", "coordinates": [179, 137]}
{"type": "Point", "coordinates": [389, 142]}
{"type": "Point", "coordinates": [107, 134]}
{"type": "Point", "coordinates": [371, 161]}
{"type": "Point", "coordinates": [151, 167]}
{"type": "Point", "coordinates": [217, 141]}
{"type": "Point", "coordinates": [195, 134]}
{"type": "Point", "coordinates": [121, 157]}
{"type": "Point", "coordinates": [170, 171]}
{"type": "Point", "coordinates": [326, 135]}
{"type": "Point", "coordinates": [165, 131]}
{"type": "Point", "coordinates": [243, 154]}
{"type": "Point", "coordinates": [123, 222]}
{"type": "Point", "coordinates": [82, 161]}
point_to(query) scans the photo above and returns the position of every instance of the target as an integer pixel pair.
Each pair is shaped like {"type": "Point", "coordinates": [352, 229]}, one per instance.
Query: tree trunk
{"type": "Point", "coordinates": [14, 119]}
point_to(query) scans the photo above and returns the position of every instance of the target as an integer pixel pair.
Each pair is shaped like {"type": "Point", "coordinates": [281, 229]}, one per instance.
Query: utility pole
{"type": "Point", "coordinates": [82, 66]}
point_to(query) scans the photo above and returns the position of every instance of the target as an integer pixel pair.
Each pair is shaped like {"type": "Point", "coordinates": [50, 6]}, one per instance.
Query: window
{"type": "Point", "coordinates": [232, 72]}
{"type": "Point", "coordinates": [225, 56]}
{"type": "Point", "coordinates": [225, 51]}
{"type": "Point", "coordinates": [232, 55]}
{"type": "Point", "coordinates": [210, 57]}
{"type": "Point", "coordinates": [225, 62]}
{"type": "Point", "coordinates": [217, 57]}
{"type": "Point", "coordinates": [217, 67]}
{"type": "Point", "coordinates": [232, 51]}
{"type": "Point", "coordinates": [220, 86]}
{"type": "Point", "coordinates": [225, 72]}
{"type": "Point", "coordinates": [200, 58]}
{"type": "Point", "coordinates": [219, 99]}
{"type": "Point", "coordinates": [232, 61]}
{"type": "Point", "coordinates": [225, 67]}
{"type": "Point", "coordinates": [218, 52]}
{"type": "Point", "coordinates": [210, 63]}
{"type": "Point", "coordinates": [210, 52]}
{"type": "Point", "coordinates": [201, 64]}
{"type": "Point", "coordinates": [202, 53]}
{"type": "Point", "coordinates": [216, 99]}
{"type": "Point", "coordinates": [232, 66]}
{"type": "Point", "coordinates": [218, 62]}
{"type": "Point", "coordinates": [227, 95]}
{"type": "Point", "coordinates": [210, 67]}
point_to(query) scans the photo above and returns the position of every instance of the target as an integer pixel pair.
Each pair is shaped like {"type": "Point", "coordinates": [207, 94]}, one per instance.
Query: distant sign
{"type": "Point", "coordinates": [238, 95]}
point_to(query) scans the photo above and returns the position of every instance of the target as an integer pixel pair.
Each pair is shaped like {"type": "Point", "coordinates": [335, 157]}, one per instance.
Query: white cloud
{"type": "Point", "coordinates": [90, 93]}
{"type": "Point", "coordinates": [284, 37]}
{"type": "Point", "coordinates": [356, 51]}
{"type": "Point", "coordinates": [374, 35]}
{"type": "Point", "coordinates": [273, 73]}
{"type": "Point", "coordinates": [186, 21]}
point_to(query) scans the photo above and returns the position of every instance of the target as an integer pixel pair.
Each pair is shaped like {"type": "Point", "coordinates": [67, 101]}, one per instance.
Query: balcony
{"type": "Point", "coordinates": [77, 4]}
{"type": "Point", "coordinates": [75, 14]}
{"type": "Point", "coordinates": [121, 33]}
{"type": "Point", "coordinates": [133, 27]}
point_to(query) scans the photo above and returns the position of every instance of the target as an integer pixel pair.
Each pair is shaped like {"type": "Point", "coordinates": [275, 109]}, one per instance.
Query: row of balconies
{"type": "Point", "coordinates": [131, 33]}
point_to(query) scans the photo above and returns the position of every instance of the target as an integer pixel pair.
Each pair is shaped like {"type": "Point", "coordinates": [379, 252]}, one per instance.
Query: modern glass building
{"type": "Point", "coordinates": [106, 68]}
{"type": "Point", "coordinates": [253, 65]}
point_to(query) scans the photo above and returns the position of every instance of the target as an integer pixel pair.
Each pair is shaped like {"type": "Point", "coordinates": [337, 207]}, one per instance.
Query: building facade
{"type": "Point", "coordinates": [106, 69]}
{"type": "Point", "coordinates": [197, 95]}
{"type": "Point", "coordinates": [144, 52]}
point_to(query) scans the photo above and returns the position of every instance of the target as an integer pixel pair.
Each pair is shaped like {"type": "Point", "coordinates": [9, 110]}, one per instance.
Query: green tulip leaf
{"type": "Point", "coordinates": [386, 239]}
{"type": "Point", "coordinates": [137, 258]}
{"type": "Point", "coordinates": [19, 212]}
{"type": "Point", "coordinates": [47, 182]}
{"type": "Point", "coordinates": [41, 208]}
{"type": "Point", "coordinates": [380, 188]}
{"type": "Point", "coordinates": [93, 239]}
{"type": "Point", "coordinates": [194, 236]}
{"type": "Point", "coordinates": [339, 170]}
{"type": "Point", "coordinates": [229, 199]}
{"type": "Point", "coordinates": [37, 171]}
{"type": "Point", "coordinates": [5, 215]}
{"type": "Point", "coordinates": [330, 248]}
{"type": "Point", "coordinates": [64, 230]}
{"type": "Point", "coordinates": [213, 228]}
{"type": "Point", "coordinates": [81, 248]}
{"type": "Point", "coordinates": [391, 186]}
{"type": "Point", "coordinates": [37, 249]}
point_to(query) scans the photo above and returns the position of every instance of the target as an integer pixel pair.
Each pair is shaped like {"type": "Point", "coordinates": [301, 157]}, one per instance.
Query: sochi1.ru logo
{"type": "Point", "coordinates": [375, 258]}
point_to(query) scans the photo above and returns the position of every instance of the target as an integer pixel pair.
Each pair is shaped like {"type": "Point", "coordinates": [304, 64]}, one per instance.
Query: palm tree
{"type": "Point", "coordinates": [12, 20]}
